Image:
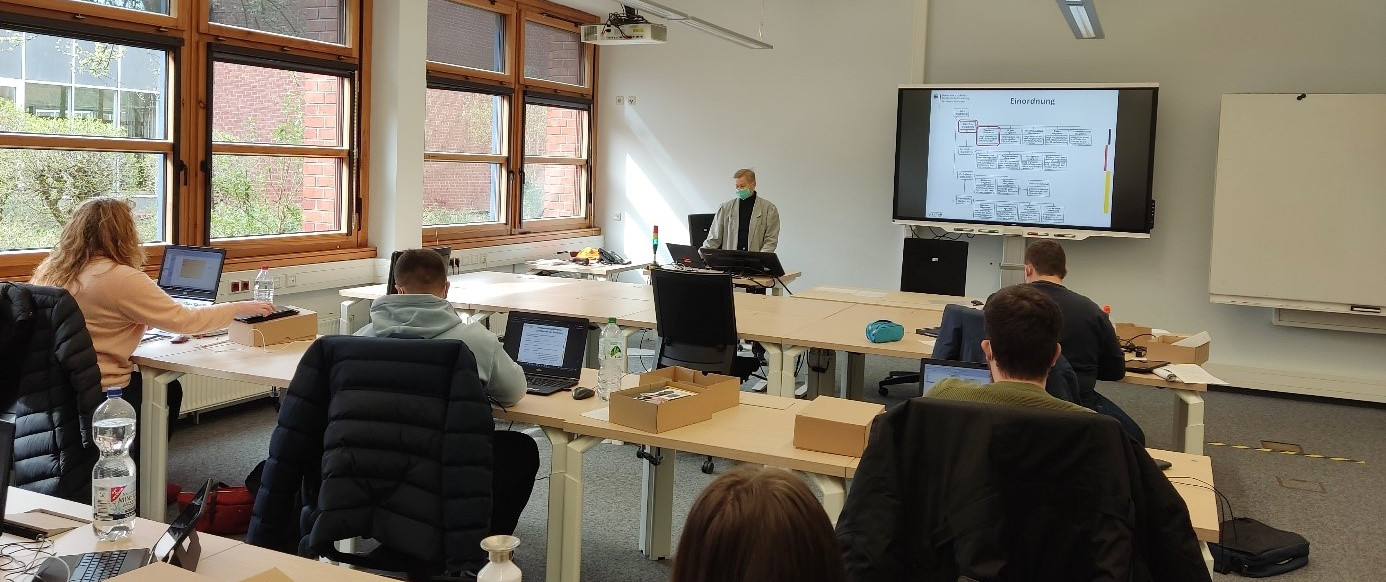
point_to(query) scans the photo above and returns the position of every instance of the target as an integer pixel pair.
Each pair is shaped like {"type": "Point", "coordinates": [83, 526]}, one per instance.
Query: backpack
{"type": "Point", "coordinates": [1256, 550]}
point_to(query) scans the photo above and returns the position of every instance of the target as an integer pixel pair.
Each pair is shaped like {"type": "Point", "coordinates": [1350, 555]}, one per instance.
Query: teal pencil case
{"type": "Point", "coordinates": [884, 331]}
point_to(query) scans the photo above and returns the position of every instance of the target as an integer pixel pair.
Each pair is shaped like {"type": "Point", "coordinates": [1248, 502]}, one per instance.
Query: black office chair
{"type": "Point", "coordinates": [698, 227]}
{"type": "Point", "coordinates": [695, 316]}
{"type": "Point", "coordinates": [948, 489]}
{"type": "Point", "coordinates": [929, 266]}
{"type": "Point", "coordinates": [384, 438]}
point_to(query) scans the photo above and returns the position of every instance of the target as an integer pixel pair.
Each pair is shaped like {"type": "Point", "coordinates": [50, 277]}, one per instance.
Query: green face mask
{"type": "Point", "coordinates": [743, 193]}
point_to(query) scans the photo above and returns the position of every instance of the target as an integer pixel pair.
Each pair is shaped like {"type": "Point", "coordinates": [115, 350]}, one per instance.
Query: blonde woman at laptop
{"type": "Point", "coordinates": [98, 259]}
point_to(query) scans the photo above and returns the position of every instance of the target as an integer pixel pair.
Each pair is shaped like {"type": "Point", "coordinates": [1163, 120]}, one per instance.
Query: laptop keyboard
{"type": "Point", "coordinates": [547, 382]}
{"type": "Point", "coordinates": [98, 566]}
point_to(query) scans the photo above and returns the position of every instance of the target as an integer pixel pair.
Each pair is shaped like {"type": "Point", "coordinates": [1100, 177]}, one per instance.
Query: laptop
{"type": "Point", "coordinates": [548, 347]}
{"type": "Point", "coordinates": [934, 371]}
{"type": "Point", "coordinates": [191, 275]}
{"type": "Point", "coordinates": [94, 566]}
{"type": "Point", "coordinates": [685, 256]}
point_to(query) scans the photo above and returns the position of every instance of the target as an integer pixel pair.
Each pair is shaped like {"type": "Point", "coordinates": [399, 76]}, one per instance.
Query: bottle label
{"type": "Point", "coordinates": [114, 501]}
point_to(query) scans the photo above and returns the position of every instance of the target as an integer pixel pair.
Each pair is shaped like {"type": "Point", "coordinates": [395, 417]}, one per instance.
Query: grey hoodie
{"type": "Point", "coordinates": [432, 317]}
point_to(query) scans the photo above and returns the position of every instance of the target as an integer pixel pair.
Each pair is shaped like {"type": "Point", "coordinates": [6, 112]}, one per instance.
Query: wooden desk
{"type": "Point", "coordinates": [161, 363]}
{"type": "Point", "coordinates": [776, 287]}
{"type": "Point", "coordinates": [600, 272]}
{"type": "Point", "coordinates": [83, 539]}
{"type": "Point", "coordinates": [884, 297]}
{"type": "Point", "coordinates": [243, 561]}
{"type": "Point", "coordinates": [760, 430]}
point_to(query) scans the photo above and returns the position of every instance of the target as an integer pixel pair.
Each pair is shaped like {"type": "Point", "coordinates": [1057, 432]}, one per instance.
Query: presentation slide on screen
{"type": "Point", "coordinates": [543, 345]}
{"type": "Point", "coordinates": [1024, 155]}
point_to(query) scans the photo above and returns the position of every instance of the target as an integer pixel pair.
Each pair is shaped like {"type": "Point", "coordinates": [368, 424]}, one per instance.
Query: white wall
{"type": "Point", "coordinates": [1196, 50]}
{"type": "Point", "coordinates": [815, 117]}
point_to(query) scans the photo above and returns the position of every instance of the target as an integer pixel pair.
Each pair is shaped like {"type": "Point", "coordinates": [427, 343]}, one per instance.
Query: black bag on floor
{"type": "Point", "coordinates": [1256, 550]}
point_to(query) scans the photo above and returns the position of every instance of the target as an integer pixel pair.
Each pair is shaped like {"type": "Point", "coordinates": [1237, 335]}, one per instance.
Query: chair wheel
{"type": "Point", "coordinates": [883, 391]}
{"type": "Point", "coordinates": [707, 466]}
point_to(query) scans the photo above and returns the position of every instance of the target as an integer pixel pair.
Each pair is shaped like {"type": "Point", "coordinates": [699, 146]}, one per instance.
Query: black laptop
{"type": "Point", "coordinates": [549, 348]}
{"type": "Point", "coordinates": [93, 566]}
{"type": "Point", "coordinates": [685, 256]}
{"type": "Point", "coordinates": [191, 275]}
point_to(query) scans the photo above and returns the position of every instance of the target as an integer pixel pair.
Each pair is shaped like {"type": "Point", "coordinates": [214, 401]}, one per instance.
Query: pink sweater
{"type": "Point", "coordinates": [120, 302]}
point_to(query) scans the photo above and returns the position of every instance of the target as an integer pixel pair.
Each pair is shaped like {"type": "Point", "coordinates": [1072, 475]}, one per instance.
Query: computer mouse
{"type": "Point", "coordinates": [179, 339]}
{"type": "Point", "coordinates": [583, 393]}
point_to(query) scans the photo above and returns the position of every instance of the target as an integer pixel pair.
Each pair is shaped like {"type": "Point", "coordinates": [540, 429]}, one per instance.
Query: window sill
{"type": "Point", "coordinates": [490, 241]}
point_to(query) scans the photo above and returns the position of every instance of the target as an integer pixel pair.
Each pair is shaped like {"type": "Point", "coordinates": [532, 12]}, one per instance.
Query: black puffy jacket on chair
{"type": "Point", "coordinates": [1000, 493]}
{"type": "Point", "coordinates": [387, 439]}
{"type": "Point", "coordinates": [51, 386]}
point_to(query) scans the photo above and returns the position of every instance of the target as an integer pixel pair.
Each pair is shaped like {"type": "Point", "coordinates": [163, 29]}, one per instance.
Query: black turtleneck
{"type": "Point", "coordinates": [743, 225]}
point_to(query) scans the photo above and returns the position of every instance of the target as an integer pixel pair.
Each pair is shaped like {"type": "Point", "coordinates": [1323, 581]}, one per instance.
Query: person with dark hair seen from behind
{"type": "Point", "coordinates": [1089, 341]}
{"type": "Point", "coordinates": [421, 311]}
{"type": "Point", "coordinates": [1022, 344]}
{"type": "Point", "coordinates": [758, 524]}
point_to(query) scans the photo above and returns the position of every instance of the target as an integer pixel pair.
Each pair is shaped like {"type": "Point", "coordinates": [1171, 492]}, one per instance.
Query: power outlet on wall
{"type": "Point", "coordinates": [618, 216]}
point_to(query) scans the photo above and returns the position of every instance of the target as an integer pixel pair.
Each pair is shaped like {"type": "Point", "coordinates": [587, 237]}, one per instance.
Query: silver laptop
{"type": "Point", "coordinates": [933, 371]}
{"type": "Point", "coordinates": [191, 275]}
{"type": "Point", "coordinates": [95, 566]}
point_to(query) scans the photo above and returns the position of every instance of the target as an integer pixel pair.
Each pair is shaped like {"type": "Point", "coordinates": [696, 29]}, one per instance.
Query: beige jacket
{"type": "Point", "coordinates": [764, 232]}
{"type": "Point", "coordinates": [120, 303]}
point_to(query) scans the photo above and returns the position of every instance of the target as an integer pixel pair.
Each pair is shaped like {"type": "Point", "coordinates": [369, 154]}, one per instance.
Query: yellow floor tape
{"type": "Point", "coordinates": [1292, 453]}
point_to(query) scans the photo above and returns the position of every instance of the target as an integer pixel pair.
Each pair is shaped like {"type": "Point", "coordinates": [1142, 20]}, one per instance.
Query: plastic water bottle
{"type": "Point", "coordinates": [499, 567]}
{"type": "Point", "coordinates": [264, 285]}
{"type": "Point", "coordinates": [113, 492]}
{"type": "Point", "coordinates": [611, 352]}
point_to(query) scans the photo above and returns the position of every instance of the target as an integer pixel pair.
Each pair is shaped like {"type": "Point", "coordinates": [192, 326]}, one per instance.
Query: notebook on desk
{"type": "Point", "coordinates": [685, 256]}
{"type": "Point", "coordinates": [95, 566]}
{"type": "Point", "coordinates": [548, 347]}
{"type": "Point", "coordinates": [191, 275]}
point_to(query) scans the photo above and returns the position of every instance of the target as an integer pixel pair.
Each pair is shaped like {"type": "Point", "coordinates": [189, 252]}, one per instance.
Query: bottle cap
{"type": "Point", "coordinates": [264, 267]}
{"type": "Point", "coordinates": [611, 320]}
{"type": "Point", "coordinates": [113, 392]}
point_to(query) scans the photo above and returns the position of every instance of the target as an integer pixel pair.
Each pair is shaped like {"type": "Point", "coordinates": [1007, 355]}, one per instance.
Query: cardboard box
{"type": "Point", "coordinates": [725, 391]}
{"type": "Point", "coordinates": [837, 426]}
{"type": "Point", "coordinates": [1127, 331]}
{"type": "Point", "coordinates": [1162, 348]}
{"type": "Point", "coordinates": [629, 409]}
{"type": "Point", "coordinates": [300, 326]}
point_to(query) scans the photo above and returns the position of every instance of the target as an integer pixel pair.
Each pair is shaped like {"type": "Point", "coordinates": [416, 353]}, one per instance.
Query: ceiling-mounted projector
{"type": "Point", "coordinates": [639, 33]}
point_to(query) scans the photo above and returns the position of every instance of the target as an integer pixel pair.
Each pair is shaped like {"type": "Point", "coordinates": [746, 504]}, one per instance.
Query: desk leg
{"type": "Point", "coordinates": [834, 493]}
{"type": "Point", "coordinates": [344, 323]}
{"type": "Point", "coordinates": [1207, 557]}
{"type": "Point", "coordinates": [856, 373]}
{"type": "Point", "coordinates": [571, 570]}
{"type": "Point", "coordinates": [781, 363]}
{"type": "Point", "coordinates": [153, 435]}
{"type": "Point", "coordinates": [824, 381]}
{"type": "Point", "coordinates": [558, 468]}
{"type": "Point", "coordinates": [1188, 423]}
{"type": "Point", "coordinates": [657, 505]}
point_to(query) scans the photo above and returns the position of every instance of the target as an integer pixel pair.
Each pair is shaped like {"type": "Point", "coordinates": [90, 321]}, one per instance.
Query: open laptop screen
{"type": "Point", "coordinates": [549, 345]}
{"type": "Point", "coordinates": [191, 271]}
{"type": "Point", "coordinates": [179, 529]}
{"type": "Point", "coordinates": [935, 371]}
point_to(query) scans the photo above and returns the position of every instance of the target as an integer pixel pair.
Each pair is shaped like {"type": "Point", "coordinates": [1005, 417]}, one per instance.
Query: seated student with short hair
{"type": "Point", "coordinates": [758, 524]}
{"type": "Point", "coordinates": [421, 311]}
{"type": "Point", "coordinates": [1023, 326]}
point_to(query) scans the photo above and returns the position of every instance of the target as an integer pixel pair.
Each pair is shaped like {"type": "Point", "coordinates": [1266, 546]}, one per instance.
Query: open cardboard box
{"type": "Point", "coordinates": [1137, 334]}
{"type": "Point", "coordinates": [837, 426]}
{"type": "Point", "coordinates": [1162, 348]}
{"type": "Point", "coordinates": [711, 393]}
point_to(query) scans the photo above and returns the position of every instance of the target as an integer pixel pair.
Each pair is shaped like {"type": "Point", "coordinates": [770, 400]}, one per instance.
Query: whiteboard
{"type": "Point", "coordinates": [1299, 207]}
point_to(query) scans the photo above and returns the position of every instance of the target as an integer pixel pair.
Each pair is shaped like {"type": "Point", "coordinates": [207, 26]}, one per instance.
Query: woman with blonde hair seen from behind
{"type": "Point", "coordinates": [98, 259]}
{"type": "Point", "coordinates": [758, 524]}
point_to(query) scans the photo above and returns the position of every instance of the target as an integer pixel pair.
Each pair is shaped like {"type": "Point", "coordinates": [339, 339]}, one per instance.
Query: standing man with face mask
{"type": "Point", "coordinates": [748, 223]}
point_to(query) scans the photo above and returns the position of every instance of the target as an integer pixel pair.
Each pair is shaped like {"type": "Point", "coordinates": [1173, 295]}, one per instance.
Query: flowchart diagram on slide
{"type": "Point", "coordinates": [1025, 156]}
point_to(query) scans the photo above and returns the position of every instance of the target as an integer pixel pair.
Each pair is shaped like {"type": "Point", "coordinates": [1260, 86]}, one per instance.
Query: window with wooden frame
{"type": "Point", "coordinates": [228, 122]}
{"type": "Point", "coordinates": [509, 108]}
